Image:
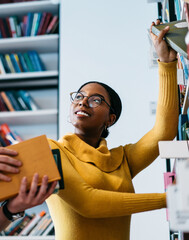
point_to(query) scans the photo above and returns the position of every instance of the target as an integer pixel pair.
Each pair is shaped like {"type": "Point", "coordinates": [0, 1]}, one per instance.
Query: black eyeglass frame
{"type": "Point", "coordinates": [102, 99]}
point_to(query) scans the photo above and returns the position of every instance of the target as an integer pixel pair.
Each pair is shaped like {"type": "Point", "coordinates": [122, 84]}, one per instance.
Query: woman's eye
{"type": "Point", "coordinates": [97, 100]}
{"type": "Point", "coordinates": [78, 97]}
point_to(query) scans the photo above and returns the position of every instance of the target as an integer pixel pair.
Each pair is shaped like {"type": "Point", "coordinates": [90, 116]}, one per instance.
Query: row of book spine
{"type": "Point", "coordinates": [32, 24]}
{"type": "Point", "coordinates": [17, 100]}
{"type": "Point", "coordinates": [21, 62]}
{"type": "Point", "coordinates": [31, 225]}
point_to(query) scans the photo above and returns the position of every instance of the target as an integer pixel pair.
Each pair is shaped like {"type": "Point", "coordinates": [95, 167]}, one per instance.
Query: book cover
{"type": "Point", "coordinates": [49, 230]}
{"type": "Point", "coordinates": [2, 28]}
{"type": "Point", "coordinates": [36, 156]}
{"type": "Point", "coordinates": [35, 65]}
{"type": "Point", "coordinates": [175, 36]}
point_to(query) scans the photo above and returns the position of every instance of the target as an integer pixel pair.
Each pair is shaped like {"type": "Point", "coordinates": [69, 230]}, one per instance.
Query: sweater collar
{"type": "Point", "coordinates": [100, 157]}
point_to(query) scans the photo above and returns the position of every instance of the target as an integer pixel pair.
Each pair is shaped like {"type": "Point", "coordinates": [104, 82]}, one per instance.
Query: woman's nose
{"type": "Point", "coordinates": [84, 102]}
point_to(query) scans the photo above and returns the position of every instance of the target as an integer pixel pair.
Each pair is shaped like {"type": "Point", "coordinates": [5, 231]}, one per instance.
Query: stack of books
{"type": "Point", "coordinates": [21, 62]}
{"type": "Point", "coordinates": [32, 24]}
{"type": "Point", "coordinates": [17, 100]}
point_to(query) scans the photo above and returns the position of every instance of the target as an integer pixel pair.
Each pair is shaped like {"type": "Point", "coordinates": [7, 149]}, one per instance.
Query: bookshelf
{"type": "Point", "coordinates": [41, 85]}
{"type": "Point", "coordinates": [176, 152]}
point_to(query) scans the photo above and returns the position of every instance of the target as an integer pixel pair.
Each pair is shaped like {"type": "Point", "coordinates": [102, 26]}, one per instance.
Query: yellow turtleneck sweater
{"type": "Point", "coordinates": [99, 197]}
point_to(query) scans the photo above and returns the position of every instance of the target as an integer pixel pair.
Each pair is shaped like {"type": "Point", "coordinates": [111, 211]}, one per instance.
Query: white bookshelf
{"type": "Point", "coordinates": [43, 86]}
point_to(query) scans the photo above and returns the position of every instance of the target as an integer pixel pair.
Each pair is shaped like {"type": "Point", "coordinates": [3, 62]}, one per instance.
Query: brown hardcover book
{"type": "Point", "coordinates": [36, 157]}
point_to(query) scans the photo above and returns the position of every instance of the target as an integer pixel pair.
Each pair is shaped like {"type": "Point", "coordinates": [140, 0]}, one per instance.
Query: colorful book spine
{"type": "Point", "coordinates": [7, 101]}
{"type": "Point", "coordinates": [15, 63]}
{"type": "Point", "coordinates": [53, 22]}
{"type": "Point", "coordinates": [29, 23]}
{"type": "Point", "coordinates": [32, 224]}
{"type": "Point", "coordinates": [9, 63]}
{"type": "Point", "coordinates": [29, 101]}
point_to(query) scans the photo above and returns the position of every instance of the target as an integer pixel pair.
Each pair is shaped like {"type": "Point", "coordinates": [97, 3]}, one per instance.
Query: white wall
{"type": "Point", "coordinates": [106, 40]}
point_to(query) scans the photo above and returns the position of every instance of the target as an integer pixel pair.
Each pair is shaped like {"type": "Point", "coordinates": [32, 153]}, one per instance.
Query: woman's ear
{"type": "Point", "coordinates": [111, 120]}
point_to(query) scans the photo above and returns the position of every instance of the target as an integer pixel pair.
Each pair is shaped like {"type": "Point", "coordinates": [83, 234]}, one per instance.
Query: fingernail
{"type": "Point", "coordinates": [166, 27]}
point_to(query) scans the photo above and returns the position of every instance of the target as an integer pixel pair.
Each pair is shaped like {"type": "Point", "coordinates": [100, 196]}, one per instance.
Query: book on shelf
{"type": "Point", "coordinates": [9, 63]}
{"type": "Point", "coordinates": [52, 23]}
{"type": "Point", "coordinates": [15, 63]}
{"type": "Point", "coordinates": [49, 230]}
{"type": "Point", "coordinates": [5, 65]}
{"type": "Point", "coordinates": [8, 134]}
{"type": "Point", "coordinates": [47, 20]}
{"type": "Point", "coordinates": [2, 69]}
{"type": "Point", "coordinates": [29, 100]}
{"type": "Point", "coordinates": [3, 107]}
{"type": "Point", "coordinates": [29, 23]}
{"type": "Point", "coordinates": [13, 100]}
{"type": "Point", "coordinates": [175, 36]}
{"type": "Point", "coordinates": [41, 225]}
{"type": "Point", "coordinates": [7, 101]}
{"type": "Point", "coordinates": [36, 156]}
{"type": "Point", "coordinates": [31, 225]}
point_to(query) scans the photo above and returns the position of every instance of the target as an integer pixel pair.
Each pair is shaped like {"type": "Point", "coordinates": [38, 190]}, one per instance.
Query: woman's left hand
{"type": "Point", "coordinates": [164, 52]}
{"type": "Point", "coordinates": [34, 196]}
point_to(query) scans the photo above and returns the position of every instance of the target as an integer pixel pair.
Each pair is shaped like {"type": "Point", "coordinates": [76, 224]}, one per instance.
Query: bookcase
{"type": "Point", "coordinates": [176, 152]}
{"type": "Point", "coordinates": [41, 85]}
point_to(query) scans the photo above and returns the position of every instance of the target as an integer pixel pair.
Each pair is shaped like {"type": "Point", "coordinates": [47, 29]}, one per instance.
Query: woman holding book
{"type": "Point", "coordinates": [14, 208]}
{"type": "Point", "coordinates": [99, 197]}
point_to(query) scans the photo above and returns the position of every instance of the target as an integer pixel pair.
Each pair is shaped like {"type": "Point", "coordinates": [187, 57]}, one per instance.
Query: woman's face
{"type": "Point", "coordinates": [86, 119]}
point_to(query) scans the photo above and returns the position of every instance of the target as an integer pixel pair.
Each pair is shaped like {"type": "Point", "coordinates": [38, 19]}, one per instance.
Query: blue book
{"type": "Point", "coordinates": [6, 67]}
{"type": "Point", "coordinates": [29, 101]}
{"type": "Point", "coordinates": [33, 61]}
{"type": "Point", "coordinates": [15, 64]}
{"type": "Point", "coordinates": [29, 23]}
{"type": "Point", "coordinates": [38, 61]}
{"type": "Point", "coordinates": [22, 62]}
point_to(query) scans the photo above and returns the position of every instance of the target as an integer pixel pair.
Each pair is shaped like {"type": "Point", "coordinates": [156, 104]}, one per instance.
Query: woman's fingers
{"type": "Point", "coordinates": [162, 33]}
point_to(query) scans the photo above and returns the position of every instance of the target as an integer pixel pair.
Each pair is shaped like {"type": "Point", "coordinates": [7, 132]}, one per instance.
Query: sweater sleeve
{"type": "Point", "coordinates": [145, 151]}
{"type": "Point", "coordinates": [96, 203]}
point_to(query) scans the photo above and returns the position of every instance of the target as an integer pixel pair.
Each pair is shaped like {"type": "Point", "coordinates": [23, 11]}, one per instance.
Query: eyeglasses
{"type": "Point", "coordinates": [93, 101]}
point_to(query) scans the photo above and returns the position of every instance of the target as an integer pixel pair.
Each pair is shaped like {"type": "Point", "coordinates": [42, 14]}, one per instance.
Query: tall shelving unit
{"type": "Point", "coordinates": [43, 86]}
{"type": "Point", "coordinates": [175, 10]}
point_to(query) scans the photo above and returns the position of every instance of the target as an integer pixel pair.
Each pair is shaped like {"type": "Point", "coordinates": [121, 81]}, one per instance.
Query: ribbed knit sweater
{"type": "Point", "coordinates": [99, 196]}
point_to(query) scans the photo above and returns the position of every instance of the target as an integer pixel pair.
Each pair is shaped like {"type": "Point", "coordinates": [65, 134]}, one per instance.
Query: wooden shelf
{"type": "Point", "coordinates": [44, 116]}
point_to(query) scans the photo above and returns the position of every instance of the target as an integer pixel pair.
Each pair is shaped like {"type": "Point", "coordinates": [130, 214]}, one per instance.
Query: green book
{"type": "Point", "coordinates": [175, 36]}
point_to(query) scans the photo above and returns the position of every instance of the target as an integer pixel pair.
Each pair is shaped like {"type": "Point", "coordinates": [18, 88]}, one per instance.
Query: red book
{"type": "Point", "coordinates": [8, 26]}
{"type": "Point", "coordinates": [2, 28]}
{"type": "Point", "coordinates": [46, 23]}
{"type": "Point", "coordinates": [41, 23]}
{"type": "Point", "coordinates": [52, 23]}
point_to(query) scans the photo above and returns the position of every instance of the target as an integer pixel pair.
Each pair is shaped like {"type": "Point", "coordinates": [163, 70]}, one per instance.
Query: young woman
{"type": "Point", "coordinates": [99, 198]}
{"type": "Point", "coordinates": [15, 207]}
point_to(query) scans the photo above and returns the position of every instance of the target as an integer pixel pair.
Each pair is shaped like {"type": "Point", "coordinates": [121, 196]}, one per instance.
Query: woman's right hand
{"type": "Point", "coordinates": [8, 164]}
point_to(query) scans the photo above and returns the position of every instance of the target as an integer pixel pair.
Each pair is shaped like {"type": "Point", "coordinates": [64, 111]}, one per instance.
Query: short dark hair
{"type": "Point", "coordinates": [115, 102]}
